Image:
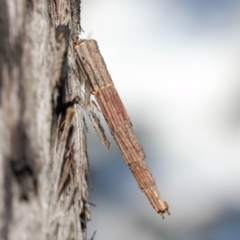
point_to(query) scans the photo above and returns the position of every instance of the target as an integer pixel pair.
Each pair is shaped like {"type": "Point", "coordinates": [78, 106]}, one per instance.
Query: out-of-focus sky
{"type": "Point", "coordinates": [175, 64]}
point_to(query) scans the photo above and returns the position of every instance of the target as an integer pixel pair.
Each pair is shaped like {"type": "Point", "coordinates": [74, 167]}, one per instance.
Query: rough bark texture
{"type": "Point", "coordinates": [43, 160]}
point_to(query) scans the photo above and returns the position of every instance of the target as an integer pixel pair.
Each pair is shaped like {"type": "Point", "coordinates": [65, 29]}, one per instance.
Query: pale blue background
{"type": "Point", "coordinates": [175, 64]}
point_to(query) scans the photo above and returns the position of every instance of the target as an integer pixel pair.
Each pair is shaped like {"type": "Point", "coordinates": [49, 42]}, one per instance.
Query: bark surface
{"type": "Point", "coordinates": [43, 158]}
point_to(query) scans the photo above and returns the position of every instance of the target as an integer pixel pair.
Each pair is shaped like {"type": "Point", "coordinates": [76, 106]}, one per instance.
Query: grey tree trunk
{"type": "Point", "coordinates": [43, 160]}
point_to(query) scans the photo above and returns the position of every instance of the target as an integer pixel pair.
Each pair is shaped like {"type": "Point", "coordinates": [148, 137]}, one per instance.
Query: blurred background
{"type": "Point", "coordinates": [175, 64]}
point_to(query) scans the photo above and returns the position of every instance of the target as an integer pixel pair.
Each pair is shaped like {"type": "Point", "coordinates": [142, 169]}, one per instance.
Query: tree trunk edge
{"type": "Point", "coordinates": [43, 158]}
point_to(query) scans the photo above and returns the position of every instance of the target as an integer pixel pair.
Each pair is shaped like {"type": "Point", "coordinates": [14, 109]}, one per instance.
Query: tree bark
{"type": "Point", "coordinates": [43, 159]}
